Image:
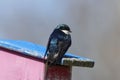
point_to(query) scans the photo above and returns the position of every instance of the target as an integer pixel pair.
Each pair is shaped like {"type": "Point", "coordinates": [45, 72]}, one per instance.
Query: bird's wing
{"type": "Point", "coordinates": [62, 50]}
{"type": "Point", "coordinates": [52, 42]}
{"type": "Point", "coordinates": [53, 47]}
{"type": "Point", "coordinates": [47, 48]}
{"type": "Point", "coordinates": [58, 50]}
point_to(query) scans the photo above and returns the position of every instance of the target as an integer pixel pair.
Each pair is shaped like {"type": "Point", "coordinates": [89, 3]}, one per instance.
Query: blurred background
{"type": "Point", "coordinates": [94, 24]}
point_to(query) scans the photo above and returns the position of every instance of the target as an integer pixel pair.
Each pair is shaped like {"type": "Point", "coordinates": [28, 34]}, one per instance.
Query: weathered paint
{"type": "Point", "coordinates": [19, 67]}
{"type": "Point", "coordinates": [38, 51]}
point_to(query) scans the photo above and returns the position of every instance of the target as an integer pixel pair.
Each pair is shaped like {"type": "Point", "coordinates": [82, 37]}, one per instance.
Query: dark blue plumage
{"type": "Point", "coordinates": [58, 44]}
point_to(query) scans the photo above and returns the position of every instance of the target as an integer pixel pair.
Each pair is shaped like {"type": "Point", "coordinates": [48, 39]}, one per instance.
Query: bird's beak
{"type": "Point", "coordinates": [70, 31]}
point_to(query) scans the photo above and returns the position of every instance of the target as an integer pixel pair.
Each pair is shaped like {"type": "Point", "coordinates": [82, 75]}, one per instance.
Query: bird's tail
{"type": "Point", "coordinates": [46, 70]}
{"type": "Point", "coordinates": [45, 54]}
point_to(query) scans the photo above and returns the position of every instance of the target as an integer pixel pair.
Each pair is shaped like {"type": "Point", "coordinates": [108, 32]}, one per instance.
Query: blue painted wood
{"type": "Point", "coordinates": [35, 50]}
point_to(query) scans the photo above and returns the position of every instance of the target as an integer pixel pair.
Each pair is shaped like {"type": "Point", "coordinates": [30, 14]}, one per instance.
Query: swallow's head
{"type": "Point", "coordinates": [64, 28]}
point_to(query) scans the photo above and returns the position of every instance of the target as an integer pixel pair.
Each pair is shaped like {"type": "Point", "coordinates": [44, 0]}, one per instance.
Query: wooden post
{"type": "Point", "coordinates": [59, 73]}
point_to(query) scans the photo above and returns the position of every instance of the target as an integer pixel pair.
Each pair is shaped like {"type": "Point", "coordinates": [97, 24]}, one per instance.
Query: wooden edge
{"type": "Point", "coordinates": [77, 62]}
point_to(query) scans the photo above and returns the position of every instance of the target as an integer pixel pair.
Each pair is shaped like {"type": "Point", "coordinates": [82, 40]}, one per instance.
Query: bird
{"type": "Point", "coordinates": [58, 44]}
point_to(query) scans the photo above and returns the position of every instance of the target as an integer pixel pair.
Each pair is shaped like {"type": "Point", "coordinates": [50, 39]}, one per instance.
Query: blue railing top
{"type": "Point", "coordinates": [38, 51]}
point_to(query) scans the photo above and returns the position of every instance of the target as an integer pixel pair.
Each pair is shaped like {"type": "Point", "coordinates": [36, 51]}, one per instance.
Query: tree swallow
{"type": "Point", "coordinates": [58, 44]}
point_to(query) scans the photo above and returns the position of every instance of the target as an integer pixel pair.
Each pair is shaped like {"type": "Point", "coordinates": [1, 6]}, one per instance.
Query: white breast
{"type": "Point", "coordinates": [66, 32]}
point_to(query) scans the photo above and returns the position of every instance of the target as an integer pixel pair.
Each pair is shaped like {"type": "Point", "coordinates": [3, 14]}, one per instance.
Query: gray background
{"type": "Point", "coordinates": [94, 23]}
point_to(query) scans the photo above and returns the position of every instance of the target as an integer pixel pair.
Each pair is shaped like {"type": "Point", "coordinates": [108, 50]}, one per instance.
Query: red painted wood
{"type": "Point", "coordinates": [17, 67]}
{"type": "Point", "coordinates": [59, 73]}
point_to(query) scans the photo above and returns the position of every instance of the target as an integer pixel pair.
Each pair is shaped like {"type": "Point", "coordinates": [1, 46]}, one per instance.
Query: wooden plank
{"type": "Point", "coordinates": [78, 62]}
